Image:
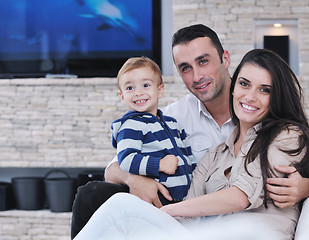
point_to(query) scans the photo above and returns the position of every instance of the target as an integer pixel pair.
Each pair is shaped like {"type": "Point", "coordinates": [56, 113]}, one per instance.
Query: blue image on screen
{"type": "Point", "coordinates": [45, 29]}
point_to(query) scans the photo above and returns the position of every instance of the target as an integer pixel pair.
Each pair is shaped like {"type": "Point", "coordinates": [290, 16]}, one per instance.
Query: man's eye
{"type": "Point", "coordinates": [185, 68]}
{"type": "Point", "coordinates": [203, 61]}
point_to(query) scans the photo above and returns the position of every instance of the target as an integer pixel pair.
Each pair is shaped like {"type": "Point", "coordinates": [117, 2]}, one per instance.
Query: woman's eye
{"type": "Point", "coordinates": [265, 90]}
{"type": "Point", "coordinates": [244, 84]}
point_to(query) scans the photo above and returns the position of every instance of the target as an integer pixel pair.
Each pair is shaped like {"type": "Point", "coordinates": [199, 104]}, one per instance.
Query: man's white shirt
{"type": "Point", "coordinates": [202, 130]}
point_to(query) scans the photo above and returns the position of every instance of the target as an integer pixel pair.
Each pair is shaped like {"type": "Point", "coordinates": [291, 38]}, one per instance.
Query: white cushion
{"type": "Point", "coordinates": [302, 229]}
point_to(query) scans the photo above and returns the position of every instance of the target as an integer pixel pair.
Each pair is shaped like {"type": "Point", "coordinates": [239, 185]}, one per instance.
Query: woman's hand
{"type": "Point", "coordinates": [168, 209]}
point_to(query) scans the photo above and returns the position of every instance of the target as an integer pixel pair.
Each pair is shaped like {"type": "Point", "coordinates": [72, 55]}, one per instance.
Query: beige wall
{"type": "Point", "coordinates": [66, 122]}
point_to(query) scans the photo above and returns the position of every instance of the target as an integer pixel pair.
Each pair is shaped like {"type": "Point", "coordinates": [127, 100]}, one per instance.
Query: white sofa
{"type": "Point", "coordinates": [233, 229]}
{"type": "Point", "coordinates": [302, 229]}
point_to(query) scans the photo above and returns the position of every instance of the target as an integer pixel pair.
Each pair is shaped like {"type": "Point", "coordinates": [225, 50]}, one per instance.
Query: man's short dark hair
{"type": "Point", "coordinates": [187, 34]}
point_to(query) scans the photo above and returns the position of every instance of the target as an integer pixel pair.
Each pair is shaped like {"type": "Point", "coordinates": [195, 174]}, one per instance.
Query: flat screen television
{"type": "Point", "coordinates": [87, 38]}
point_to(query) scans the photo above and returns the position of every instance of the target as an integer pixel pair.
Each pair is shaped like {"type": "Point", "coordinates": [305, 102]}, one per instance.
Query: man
{"type": "Point", "coordinates": [204, 113]}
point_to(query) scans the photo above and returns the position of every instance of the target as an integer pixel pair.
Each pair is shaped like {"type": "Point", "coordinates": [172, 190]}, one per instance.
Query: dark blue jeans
{"type": "Point", "coordinates": [88, 199]}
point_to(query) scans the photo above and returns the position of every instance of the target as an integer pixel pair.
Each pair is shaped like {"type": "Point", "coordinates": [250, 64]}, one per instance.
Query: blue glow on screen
{"type": "Point", "coordinates": [41, 29]}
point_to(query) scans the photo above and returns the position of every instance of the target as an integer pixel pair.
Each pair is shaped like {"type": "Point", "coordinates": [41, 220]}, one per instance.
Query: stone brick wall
{"type": "Point", "coordinates": [233, 20]}
{"type": "Point", "coordinates": [56, 122]}
{"type": "Point", "coordinates": [61, 122]}
{"type": "Point", "coordinates": [34, 225]}
{"type": "Point", "coordinates": [66, 122]}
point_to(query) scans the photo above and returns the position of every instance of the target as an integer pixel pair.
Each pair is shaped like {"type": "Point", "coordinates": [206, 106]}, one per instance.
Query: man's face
{"type": "Point", "coordinates": [200, 67]}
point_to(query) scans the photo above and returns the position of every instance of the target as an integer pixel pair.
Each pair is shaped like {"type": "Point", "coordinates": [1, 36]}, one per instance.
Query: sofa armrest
{"type": "Point", "coordinates": [302, 230]}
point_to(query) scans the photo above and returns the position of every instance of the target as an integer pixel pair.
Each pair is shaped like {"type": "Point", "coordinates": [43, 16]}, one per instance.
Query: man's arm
{"type": "Point", "coordinates": [286, 192]}
{"type": "Point", "coordinates": [144, 187]}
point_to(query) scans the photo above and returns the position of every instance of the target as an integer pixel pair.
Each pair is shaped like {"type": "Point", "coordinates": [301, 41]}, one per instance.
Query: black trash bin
{"type": "Point", "coordinates": [60, 191]}
{"type": "Point", "coordinates": [29, 192]}
{"type": "Point", "coordinates": [6, 196]}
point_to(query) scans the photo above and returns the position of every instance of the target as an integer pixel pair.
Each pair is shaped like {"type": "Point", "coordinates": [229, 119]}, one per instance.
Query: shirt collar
{"type": "Point", "coordinates": [250, 137]}
{"type": "Point", "coordinates": [203, 110]}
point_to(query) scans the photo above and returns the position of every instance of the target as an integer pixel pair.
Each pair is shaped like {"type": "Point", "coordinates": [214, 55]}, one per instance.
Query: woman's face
{"type": "Point", "coordinates": [251, 95]}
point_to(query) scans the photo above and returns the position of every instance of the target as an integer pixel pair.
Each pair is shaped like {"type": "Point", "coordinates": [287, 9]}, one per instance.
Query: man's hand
{"type": "Point", "coordinates": [286, 192]}
{"type": "Point", "coordinates": [168, 164]}
{"type": "Point", "coordinates": [143, 187]}
{"type": "Point", "coordinates": [147, 189]}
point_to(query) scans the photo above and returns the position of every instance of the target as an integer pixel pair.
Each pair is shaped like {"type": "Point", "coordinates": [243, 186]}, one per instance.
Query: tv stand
{"type": "Point", "coordinates": [49, 75]}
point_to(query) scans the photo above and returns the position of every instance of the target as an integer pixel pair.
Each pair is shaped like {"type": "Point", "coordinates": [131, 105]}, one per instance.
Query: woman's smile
{"type": "Point", "coordinates": [249, 107]}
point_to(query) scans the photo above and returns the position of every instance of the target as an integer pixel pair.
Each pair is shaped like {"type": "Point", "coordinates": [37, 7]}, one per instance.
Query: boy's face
{"type": "Point", "coordinates": [140, 90]}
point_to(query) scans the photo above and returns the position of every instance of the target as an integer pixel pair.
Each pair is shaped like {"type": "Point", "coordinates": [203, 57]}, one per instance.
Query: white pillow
{"type": "Point", "coordinates": [302, 229]}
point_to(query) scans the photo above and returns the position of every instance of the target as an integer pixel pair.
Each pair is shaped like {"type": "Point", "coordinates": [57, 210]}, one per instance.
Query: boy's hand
{"type": "Point", "coordinates": [168, 164]}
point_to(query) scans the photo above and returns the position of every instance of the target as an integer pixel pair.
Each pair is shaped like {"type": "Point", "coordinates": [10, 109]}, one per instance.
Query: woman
{"type": "Point", "coordinates": [271, 129]}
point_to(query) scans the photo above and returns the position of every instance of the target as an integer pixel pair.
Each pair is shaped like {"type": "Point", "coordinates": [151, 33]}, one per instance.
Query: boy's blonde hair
{"type": "Point", "coordinates": [139, 62]}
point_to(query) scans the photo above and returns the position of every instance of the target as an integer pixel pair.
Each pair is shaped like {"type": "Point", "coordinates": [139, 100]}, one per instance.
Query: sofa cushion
{"type": "Point", "coordinates": [302, 229]}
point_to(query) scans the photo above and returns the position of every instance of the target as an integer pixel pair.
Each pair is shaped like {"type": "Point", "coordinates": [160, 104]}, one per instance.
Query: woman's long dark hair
{"type": "Point", "coordinates": [285, 109]}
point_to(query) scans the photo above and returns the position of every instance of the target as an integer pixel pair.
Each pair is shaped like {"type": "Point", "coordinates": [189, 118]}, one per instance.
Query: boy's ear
{"type": "Point", "coordinates": [121, 95]}
{"type": "Point", "coordinates": [161, 90]}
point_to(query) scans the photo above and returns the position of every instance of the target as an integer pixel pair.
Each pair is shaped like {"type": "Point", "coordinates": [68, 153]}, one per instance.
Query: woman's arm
{"type": "Point", "coordinates": [222, 202]}
{"type": "Point", "coordinates": [286, 191]}
{"type": "Point", "coordinates": [144, 187]}
{"type": "Point", "coordinates": [198, 203]}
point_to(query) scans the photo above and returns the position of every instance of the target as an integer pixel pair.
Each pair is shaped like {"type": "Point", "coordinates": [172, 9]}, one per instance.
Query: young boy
{"type": "Point", "coordinates": [147, 142]}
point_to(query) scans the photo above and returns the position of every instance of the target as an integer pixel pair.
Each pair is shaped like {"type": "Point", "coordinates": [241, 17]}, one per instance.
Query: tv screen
{"type": "Point", "coordinates": [87, 38]}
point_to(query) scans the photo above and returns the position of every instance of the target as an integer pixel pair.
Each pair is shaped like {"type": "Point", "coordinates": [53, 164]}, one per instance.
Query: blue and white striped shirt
{"type": "Point", "coordinates": [142, 140]}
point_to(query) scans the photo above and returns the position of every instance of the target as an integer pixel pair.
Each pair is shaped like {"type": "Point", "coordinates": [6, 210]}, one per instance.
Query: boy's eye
{"type": "Point", "coordinates": [129, 88]}
{"type": "Point", "coordinates": [146, 85]}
